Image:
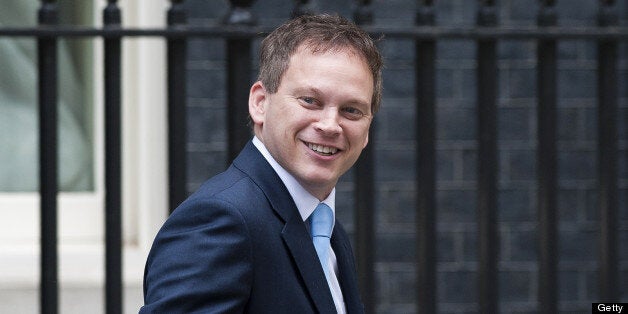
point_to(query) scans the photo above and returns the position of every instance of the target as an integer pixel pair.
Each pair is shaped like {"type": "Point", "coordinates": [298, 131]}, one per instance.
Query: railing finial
{"type": "Point", "coordinates": [302, 7]}
{"type": "Point", "coordinates": [425, 14]}
{"type": "Point", "coordinates": [547, 13]}
{"type": "Point", "coordinates": [487, 15]}
{"type": "Point", "coordinates": [176, 13]}
{"type": "Point", "coordinates": [48, 12]}
{"type": "Point", "coordinates": [363, 14]}
{"type": "Point", "coordinates": [111, 14]}
{"type": "Point", "coordinates": [240, 13]}
{"type": "Point", "coordinates": [607, 15]}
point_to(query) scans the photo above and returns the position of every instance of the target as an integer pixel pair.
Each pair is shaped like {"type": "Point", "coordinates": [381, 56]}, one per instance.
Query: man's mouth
{"type": "Point", "coordinates": [323, 150]}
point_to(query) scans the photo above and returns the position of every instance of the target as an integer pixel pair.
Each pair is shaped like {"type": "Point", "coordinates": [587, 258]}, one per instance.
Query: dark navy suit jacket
{"type": "Point", "coordinates": [239, 245]}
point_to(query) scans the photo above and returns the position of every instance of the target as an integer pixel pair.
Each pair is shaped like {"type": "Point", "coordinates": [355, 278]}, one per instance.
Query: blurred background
{"type": "Point", "coordinates": [476, 204]}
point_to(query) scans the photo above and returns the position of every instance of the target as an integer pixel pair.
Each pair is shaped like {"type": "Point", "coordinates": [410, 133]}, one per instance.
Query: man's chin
{"type": "Point", "coordinates": [318, 181]}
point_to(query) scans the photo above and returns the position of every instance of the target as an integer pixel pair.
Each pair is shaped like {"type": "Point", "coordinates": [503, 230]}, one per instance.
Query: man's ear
{"type": "Point", "coordinates": [257, 102]}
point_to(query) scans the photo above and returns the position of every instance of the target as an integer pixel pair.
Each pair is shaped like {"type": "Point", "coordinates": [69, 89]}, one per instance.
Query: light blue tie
{"type": "Point", "coordinates": [321, 225]}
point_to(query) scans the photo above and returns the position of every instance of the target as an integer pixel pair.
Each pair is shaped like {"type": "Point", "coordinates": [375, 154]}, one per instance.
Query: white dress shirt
{"type": "Point", "coordinates": [306, 203]}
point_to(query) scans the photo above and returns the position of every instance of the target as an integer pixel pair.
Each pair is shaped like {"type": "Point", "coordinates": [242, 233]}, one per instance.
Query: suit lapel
{"type": "Point", "coordinates": [294, 234]}
{"type": "Point", "coordinates": [346, 270]}
{"type": "Point", "coordinates": [300, 245]}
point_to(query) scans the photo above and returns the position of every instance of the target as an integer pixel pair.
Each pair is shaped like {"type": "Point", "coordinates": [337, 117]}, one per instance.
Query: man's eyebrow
{"type": "Point", "coordinates": [308, 89]}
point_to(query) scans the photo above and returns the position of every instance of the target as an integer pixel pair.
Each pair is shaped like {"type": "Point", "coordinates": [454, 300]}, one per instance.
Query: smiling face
{"type": "Point", "coordinates": [317, 122]}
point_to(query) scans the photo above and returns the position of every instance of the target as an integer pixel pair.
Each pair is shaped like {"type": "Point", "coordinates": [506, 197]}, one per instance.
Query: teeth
{"type": "Point", "coordinates": [326, 150]}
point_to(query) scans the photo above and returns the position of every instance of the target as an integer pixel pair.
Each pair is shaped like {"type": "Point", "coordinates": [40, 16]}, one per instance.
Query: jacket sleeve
{"type": "Point", "coordinates": [200, 261]}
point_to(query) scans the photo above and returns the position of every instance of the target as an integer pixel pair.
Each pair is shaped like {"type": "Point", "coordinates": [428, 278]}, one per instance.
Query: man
{"type": "Point", "coordinates": [242, 242]}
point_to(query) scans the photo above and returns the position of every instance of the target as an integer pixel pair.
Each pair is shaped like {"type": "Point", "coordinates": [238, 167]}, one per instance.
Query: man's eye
{"type": "Point", "coordinates": [308, 100]}
{"type": "Point", "coordinates": [353, 113]}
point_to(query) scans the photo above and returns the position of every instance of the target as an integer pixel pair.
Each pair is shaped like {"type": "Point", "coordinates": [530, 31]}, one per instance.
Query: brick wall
{"type": "Point", "coordinates": [456, 153]}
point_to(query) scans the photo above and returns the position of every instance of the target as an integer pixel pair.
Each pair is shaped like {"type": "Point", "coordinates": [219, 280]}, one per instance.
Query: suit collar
{"type": "Point", "coordinates": [251, 162]}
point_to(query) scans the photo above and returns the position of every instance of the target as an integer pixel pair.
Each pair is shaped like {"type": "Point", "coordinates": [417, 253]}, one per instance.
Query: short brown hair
{"type": "Point", "coordinates": [320, 33]}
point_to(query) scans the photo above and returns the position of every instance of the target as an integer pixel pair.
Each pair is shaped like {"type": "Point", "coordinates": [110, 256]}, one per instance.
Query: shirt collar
{"type": "Point", "coordinates": [306, 202]}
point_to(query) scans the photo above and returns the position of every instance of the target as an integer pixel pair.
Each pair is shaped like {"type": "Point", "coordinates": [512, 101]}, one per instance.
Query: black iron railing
{"type": "Point", "coordinates": [48, 172]}
{"type": "Point", "coordinates": [239, 31]}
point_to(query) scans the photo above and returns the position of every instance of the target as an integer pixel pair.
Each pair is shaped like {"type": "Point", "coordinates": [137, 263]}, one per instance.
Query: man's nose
{"type": "Point", "coordinates": [328, 122]}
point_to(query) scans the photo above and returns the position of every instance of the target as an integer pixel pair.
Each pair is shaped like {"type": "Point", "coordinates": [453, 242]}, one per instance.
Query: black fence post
{"type": "Point", "coordinates": [364, 210]}
{"type": "Point", "coordinates": [238, 77]}
{"type": "Point", "coordinates": [113, 172]}
{"type": "Point", "coordinates": [48, 172]}
{"type": "Point", "coordinates": [607, 155]}
{"type": "Point", "coordinates": [546, 160]}
{"type": "Point", "coordinates": [426, 163]}
{"type": "Point", "coordinates": [487, 163]}
{"type": "Point", "coordinates": [177, 124]}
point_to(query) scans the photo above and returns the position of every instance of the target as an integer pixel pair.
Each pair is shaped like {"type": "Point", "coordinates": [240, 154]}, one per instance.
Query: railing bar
{"type": "Point", "coordinates": [546, 158]}
{"type": "Point", "coordinates": [48, 172]}
{"type": "Point", "coordinates": [177, 109]}
{"type": "Point", "coordinates": [364, 206]}
{"type": "Point", "coordinates": [239, 71]}
{"type": "Point", "coordinates": [365, 224]}
{"type": "Point", "coordinates": [425, 32]}
{"type": "Point", "coordinates": [607, 156]}
{"type": "Point", "coordinates": [487, 165]}
{"type": "Point", "coordinates": [238, 79]}
{"type": "Point", "coordinates": [113, 186]}
{"type": "Point", "coordinates": [425, 73]}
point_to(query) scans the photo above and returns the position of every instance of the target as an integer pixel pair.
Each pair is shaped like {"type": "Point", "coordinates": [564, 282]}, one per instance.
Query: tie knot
{"type": "Point", "coordinates": [322, 221]}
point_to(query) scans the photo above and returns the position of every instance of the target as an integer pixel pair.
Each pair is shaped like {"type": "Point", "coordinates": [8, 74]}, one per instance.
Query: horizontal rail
{"type": "Point", "coordinates": [423, 32]}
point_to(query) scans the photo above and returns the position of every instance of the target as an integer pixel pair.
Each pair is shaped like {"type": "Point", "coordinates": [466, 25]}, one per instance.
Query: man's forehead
{"type": "Point", "coordinates": [325, 47]}
{"type": "Point", "coordinates": [305, 49]}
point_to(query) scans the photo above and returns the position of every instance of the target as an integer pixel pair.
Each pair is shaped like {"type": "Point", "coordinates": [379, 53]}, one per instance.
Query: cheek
{"type": "Point", "coordinates": [359, 135]}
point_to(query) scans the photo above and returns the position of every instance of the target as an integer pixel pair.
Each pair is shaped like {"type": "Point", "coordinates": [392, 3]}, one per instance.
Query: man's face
{"type": "Point", "coordinates": [317, 122]}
